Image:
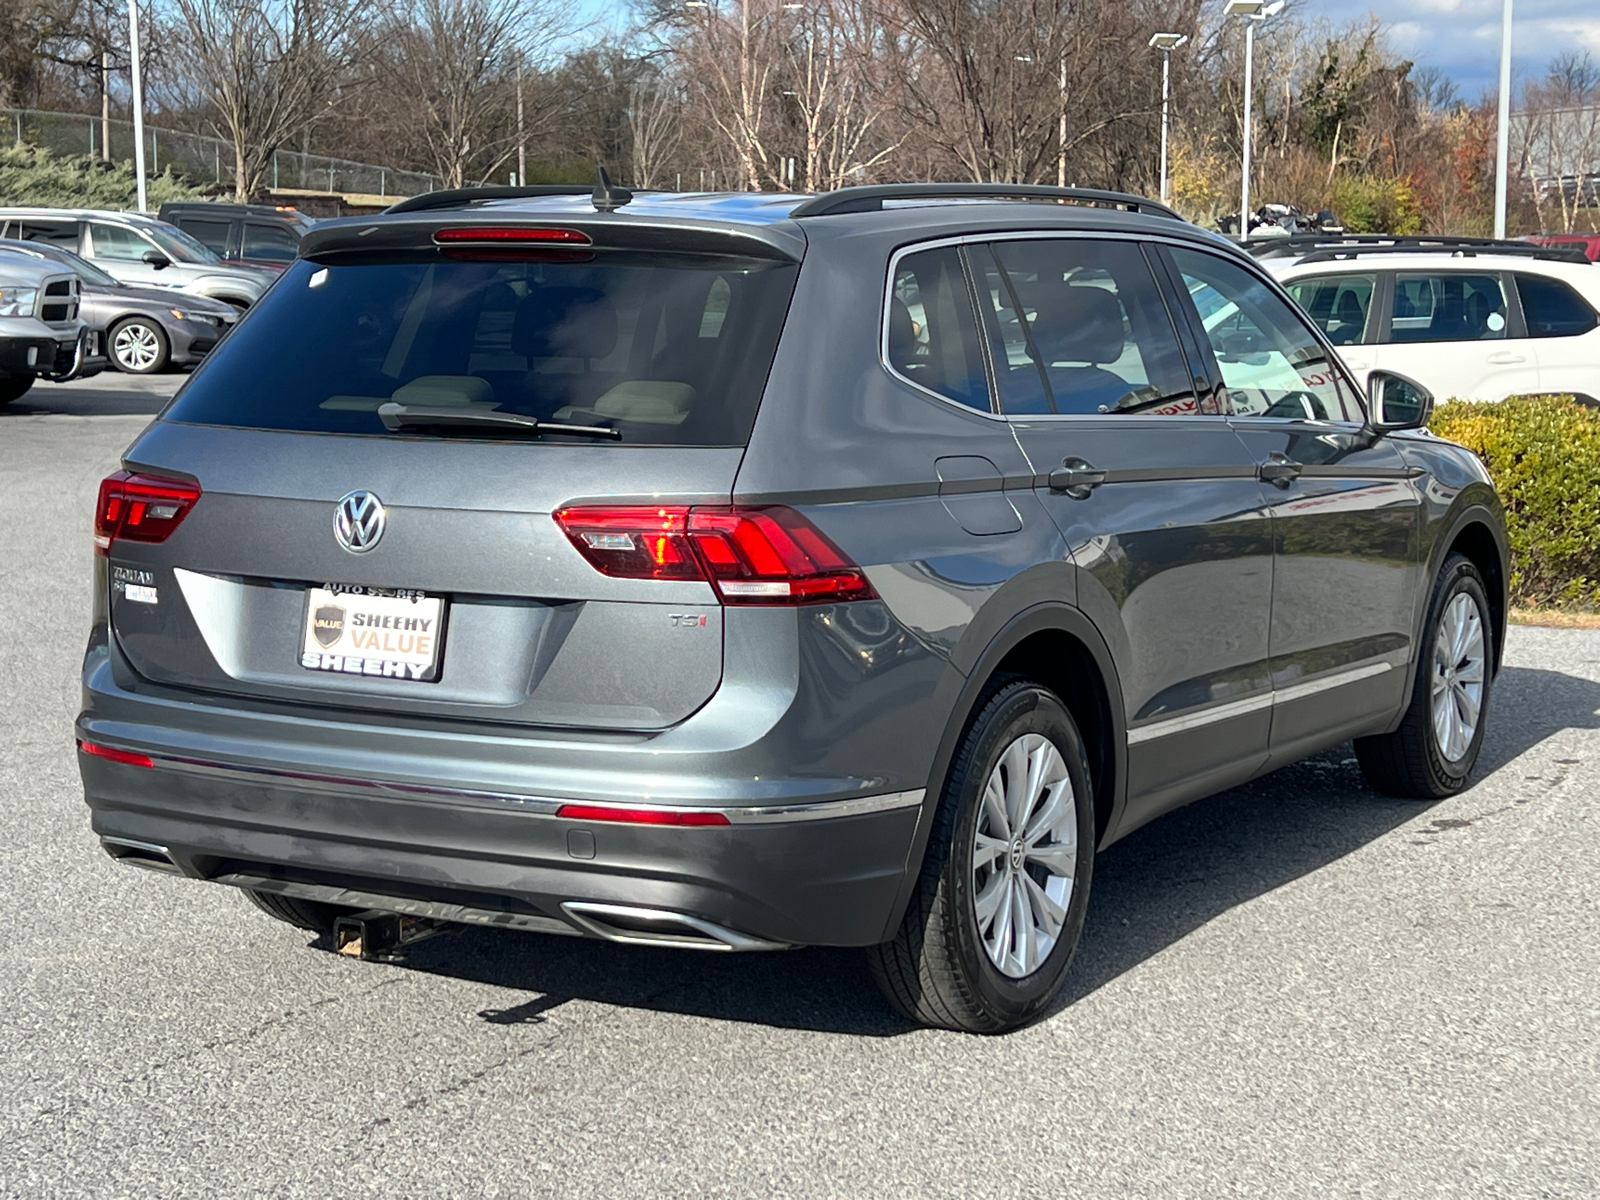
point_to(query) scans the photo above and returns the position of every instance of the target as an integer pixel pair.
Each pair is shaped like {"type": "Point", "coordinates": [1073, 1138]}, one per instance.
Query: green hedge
{"type": "Point", "coordinates": [32, 175]}
{"type": "Point", "coordinates": [1544, 455]}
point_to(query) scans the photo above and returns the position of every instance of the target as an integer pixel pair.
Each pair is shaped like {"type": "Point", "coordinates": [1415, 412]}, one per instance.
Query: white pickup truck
{"type": "Point", "coordinates": [41, 334]}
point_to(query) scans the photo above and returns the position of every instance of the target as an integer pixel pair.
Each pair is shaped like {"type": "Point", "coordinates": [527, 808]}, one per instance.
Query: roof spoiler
{"type": "Point", "coordinates": [871, 197]}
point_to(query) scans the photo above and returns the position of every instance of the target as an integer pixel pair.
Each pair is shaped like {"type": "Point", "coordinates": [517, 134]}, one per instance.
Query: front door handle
{"type": "Point", "coordinates": [1076, 478]}
{"type": "Point", "coordinates": [1279, 470]}
{"type": "Point", "coordinates": [1506, 358]}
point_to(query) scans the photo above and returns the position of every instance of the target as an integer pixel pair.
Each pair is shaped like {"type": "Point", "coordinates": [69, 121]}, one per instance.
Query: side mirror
{"type": "Point", "coordinates": [156, 259]}
{"type": "Point", "coordinates": [1395, 402]}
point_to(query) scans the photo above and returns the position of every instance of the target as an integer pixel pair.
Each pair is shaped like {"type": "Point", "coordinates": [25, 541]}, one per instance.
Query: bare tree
{"type": "Point", "coordinates": [838, 92]}
{"type": "Point", "coordinates": [1560, 127]}
{"type": "Point", "coordinates": [653, 122]}
{"type": "Point", "coordinates": [265, 69]}
{"type": "Point", "coordinates": [451, 64]}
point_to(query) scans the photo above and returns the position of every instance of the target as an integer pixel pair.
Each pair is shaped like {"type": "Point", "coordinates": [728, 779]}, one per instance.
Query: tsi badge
{"type": "Point", "coordinates": [687, 620]}
{"type": "Point", "coordinates": [358, 522]}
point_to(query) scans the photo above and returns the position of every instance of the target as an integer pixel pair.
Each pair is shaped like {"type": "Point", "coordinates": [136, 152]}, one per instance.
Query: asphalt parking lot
{"type": "Point", "coordinates": [1298, 988]}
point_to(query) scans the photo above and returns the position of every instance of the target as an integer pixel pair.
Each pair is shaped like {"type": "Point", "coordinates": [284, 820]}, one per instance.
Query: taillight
{"type": "Point", "coordinates": [769, 555]}
{"type": "Point", "coordinates": [112, 754]}
{"type": "Point", "coordinates": [140, 508]}
{"type": "Point", "coordinates": [641, 816]}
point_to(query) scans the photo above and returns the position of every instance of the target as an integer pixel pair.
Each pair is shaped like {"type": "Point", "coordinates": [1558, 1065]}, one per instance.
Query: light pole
{"type": "Point", "coordinates": [1166, 43]}
{"type": "Point", "coordinates": [1502, 141]}
{"type": "Point", "coordinates": [1252, 11]}
{"type": "Point", "coordinates": [138, 105]}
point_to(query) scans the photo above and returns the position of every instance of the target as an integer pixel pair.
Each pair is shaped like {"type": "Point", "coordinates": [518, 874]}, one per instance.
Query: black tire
{"type": "Point", "coordinates": [14, 389]}
{"type": "Point", "coordinates": [936, 971]}
{"type": "Point", "coordinates": [1410, 761]}
{"type": "Point", "coordinates": [149, 332]}
{"type": "Point", "coordinates": [310, 915]}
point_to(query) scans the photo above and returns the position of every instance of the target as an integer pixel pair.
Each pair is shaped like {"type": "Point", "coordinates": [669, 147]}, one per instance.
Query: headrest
{"type": "Point", "coordinates": [1349, 312]}
{"type": "Point", "coordinates": [445, 391]}
{"type": "Point", "coordinates": [1078, 324]}
{"type": "Point", "coordinates": [565, 322]}
{"type": "Point", "coordinates": [649, 401]}
{"type": "Point", "coordinates": [902, 334]}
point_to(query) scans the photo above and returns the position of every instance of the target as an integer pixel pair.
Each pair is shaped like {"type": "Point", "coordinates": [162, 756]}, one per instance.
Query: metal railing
{"type": "Point", "coordinates": [206, 159]}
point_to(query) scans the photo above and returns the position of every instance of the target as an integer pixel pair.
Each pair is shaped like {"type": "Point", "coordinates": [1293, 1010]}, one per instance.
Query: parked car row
{"type": "Point", "coordinates": [1469, 318]}
{"type": "Point", "coordinates": [153, 292]}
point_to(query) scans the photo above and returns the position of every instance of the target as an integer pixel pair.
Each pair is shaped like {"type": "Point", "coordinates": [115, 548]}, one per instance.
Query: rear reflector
{"type": "Point", "coordinates": [117, 756]}
{"type": "Point", "coordinates": [496, 235]}
{"type": "Point", "coordinates": [140, 508]}
{"type": "Point", "coordinates": [769, 555]}
{"type": "Point", "coordinates": [640, 816]}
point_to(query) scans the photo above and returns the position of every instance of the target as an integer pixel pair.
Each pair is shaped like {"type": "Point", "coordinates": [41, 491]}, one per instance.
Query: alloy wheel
{"type": "Point", "coordinates": [1458, 676]}
{"type": "Point", "coordinates": [1024, 855]}
{"type": "Point", "coordinates": [136, 346]}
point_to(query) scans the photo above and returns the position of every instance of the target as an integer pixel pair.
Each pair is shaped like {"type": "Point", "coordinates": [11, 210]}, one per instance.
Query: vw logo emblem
{"type": "Point", "coordinates": [358, 522]}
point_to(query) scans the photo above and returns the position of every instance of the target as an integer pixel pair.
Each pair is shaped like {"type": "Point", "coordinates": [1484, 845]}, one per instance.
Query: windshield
{"type": "Point", "coordinates": [178, 245]}
{"type": "Point", "coordinates": [667, 352]}
{"type": "Point", "coordinates": [86, 270]}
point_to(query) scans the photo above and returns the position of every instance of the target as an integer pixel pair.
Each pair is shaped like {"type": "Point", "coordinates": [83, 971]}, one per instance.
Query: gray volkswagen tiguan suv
{"type": "Point", "coordinates": [751, 571]}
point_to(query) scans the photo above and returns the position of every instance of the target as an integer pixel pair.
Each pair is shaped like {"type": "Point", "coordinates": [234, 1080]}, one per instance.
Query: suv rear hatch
{"type": "Point", "coordinates": [379, 451]}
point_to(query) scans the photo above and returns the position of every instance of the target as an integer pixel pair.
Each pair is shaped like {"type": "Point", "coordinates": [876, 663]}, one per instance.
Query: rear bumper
{"type": "Point", "coordinates": [235, 797]}
{"type": "Point", "coordinates": [784, 875]}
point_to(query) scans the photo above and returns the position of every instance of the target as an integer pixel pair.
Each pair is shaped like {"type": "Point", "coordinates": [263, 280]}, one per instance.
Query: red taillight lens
{"type": "Point", "coordinates": [494, 235]}
{"type": "Point", "coordinates": [140, 508]}
{"type": "Point", "coordinates": [117, 756]}
{"type": "Point", "coordinates": [769, 555]}
{"type": "Point", "coordinates": [640, 816]}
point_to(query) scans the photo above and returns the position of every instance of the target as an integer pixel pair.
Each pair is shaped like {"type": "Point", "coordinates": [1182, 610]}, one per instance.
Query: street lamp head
{"type": "Point", "coordinates": [1242, 8]}
{"type": "Point", "coordinates": [1167, 42]}
{"type": "Point", "coordinates": [1274, 8]}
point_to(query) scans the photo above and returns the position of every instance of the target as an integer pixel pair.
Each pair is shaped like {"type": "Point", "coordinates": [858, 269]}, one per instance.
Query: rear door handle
{"type": "Point", "coordinates": [1505, 358]}
{"type": "Point", "coordinates": [1279, 470]}
{"type": "Point", "coordinates": [1076, 478]}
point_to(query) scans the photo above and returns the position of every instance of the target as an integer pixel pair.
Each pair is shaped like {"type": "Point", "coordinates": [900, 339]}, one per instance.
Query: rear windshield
{"type": "Point", "coordinates": [667, 352]}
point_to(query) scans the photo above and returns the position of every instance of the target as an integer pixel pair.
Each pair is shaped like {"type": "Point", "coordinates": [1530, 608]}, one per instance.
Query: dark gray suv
{"type": "Point", "coordinates": [750, 571]}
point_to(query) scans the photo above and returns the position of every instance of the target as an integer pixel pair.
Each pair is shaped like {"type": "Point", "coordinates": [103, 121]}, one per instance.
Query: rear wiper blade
{"type": "Point", "coordinates": [397, 417]}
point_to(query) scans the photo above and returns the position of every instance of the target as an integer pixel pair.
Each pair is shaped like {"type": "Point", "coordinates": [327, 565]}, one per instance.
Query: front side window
{"type": "Point", "coordinates": [1447, 306]}
{"type": "Point", "coordinates": [117, 243]}
{"type": "Point", "coordinates": [1272, 365]}
{"type": "Point", "coordinates": [1552, 309]}
{"type": "Point", "coordinates": [932, 339]}
{"type": "Point", "coordinates": [669, 352]}
{"type": "Point", "coordinates": [212, 234]}
{"type": "Point", "coordinates": [1337, 304]}
{"type": "Point", "coordinates": [1078, 326]}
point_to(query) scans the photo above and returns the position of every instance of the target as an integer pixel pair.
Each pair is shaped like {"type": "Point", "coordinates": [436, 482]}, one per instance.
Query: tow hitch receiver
{"type": "Point", "coordinates": [375, 936]}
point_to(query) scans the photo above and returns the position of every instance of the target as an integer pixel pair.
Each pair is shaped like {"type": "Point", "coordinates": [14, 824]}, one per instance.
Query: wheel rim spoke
{"type": "Point", "coordinates": [1024, 855]}
{"type": "Point", "coordinates": [1459, 673]}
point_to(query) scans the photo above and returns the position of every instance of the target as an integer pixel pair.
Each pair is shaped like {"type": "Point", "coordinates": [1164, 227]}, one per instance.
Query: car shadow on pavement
{"type": "Point", "coordinates": [1150, 890]}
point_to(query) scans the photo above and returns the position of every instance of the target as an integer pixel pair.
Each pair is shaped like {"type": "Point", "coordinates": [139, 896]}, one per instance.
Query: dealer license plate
{"type": "Point", "coordinates": [382, 633]}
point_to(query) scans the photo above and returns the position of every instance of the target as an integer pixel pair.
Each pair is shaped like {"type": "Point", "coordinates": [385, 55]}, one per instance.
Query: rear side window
{"type": "Point", "coordinates": [54, 233]}
{"type": "Point", "coordinates": [667, 353]}
{"type": "Point", "coordinates": [208, 232]}
{"type": "Point", "coordinates": [1451, 306]}
{"type": "Point", "coordinates": [1078, 326]}
{"type": "Point", "coordinates": [1337, 304]}
{"type": "Point", "coordinates": [932, 339]}
{"type": "Point", "coordinates": [271, 243]}
{"type": "Point", "coordinates": [1552, 309]}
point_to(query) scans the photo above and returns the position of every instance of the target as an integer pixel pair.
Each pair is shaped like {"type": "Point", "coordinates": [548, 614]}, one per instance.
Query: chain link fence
{"type": "Point", "coordinates": [205, 159]}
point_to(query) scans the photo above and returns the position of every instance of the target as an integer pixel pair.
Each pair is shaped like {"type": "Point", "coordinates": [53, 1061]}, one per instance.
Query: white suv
{"type": "Point", "coordinates": [1467, 318]}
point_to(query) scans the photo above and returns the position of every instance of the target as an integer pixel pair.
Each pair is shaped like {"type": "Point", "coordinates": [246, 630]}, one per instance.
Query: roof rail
{"type": "Point", "coordinates": [1325, 248]}
{"type": "Point", "coordinates": [462, 197]}
{"type": "Point", "coordinates": [870, 198]}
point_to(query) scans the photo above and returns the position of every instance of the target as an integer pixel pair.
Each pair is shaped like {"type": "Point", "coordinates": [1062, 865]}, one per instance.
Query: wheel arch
{"type": "Point", "coordinates": [1058, 647]}
{"type": "Point", "coordinates": [1477, 533]}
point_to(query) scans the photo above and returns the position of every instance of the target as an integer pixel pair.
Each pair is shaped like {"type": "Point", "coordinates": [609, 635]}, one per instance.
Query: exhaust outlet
{"type": "Point", "coordinates": [141, 854]}
{"type": "Point", "coordinates": [659, 927]}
